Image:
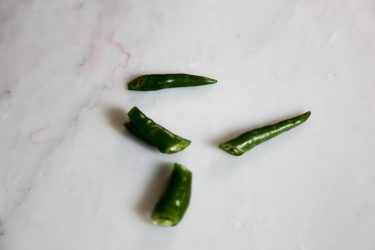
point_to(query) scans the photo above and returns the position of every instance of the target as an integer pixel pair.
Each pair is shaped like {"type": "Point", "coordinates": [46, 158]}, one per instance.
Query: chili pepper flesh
{"type": "Point", "coordinates": [147, 130]}
{"type": "Point", "coordinates": [173, 203]}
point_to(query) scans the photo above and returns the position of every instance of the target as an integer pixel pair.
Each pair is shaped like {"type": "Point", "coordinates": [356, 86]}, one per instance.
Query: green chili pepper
{"type": "Point", "coordinates": [146, 129]}
{"type": "Point", "coordinates": [163, 81]}
{"type": "Point", "coordinates": [246, 141]}
{"type": "Point", "coordinates": [174, 202]}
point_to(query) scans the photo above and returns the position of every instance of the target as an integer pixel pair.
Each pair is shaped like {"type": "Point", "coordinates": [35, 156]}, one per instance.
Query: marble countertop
{"type": "Point", "coordinates": [71, 178]}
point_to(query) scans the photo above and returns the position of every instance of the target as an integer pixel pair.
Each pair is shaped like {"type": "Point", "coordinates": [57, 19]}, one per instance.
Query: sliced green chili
{"type": "Point", "coordinates": [174, 202]}
{"type": "Point", "coordinates": [152, 133]}
{"type": "Point", "coordinates": [163, 81]}
{"type": "Point", "coordinates": [246, 141]}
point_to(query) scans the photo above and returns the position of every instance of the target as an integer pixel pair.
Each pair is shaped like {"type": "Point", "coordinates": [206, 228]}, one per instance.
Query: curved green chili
{"type": "Point", "coordinates": [163, 81]}
{"type": "Point", "coordinates": [174, 202]}
{"type": "Point", "coordinates": [246, 141]}
{"type": "Point", "coordinates": [152, 133]}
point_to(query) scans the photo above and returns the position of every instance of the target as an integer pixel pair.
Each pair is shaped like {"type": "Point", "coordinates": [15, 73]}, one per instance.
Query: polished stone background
{"type": "Point", "coordinates": [71, 178]}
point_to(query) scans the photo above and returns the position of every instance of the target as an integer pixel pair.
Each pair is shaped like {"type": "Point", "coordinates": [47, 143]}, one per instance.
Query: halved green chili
{"type": "Point", "coordinates": [163, 81]}
{"type": "Point", "coordinates": [246, 141]}
{"type": "Point", "coordinates": [175, 200]}
{"type": "Point", "coordinates": [152, 133]}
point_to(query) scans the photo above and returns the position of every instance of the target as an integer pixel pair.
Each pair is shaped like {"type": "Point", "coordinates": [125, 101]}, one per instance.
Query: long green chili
{"type": "Point", "coordinates": [246, 141]}
{"type": "Point", "coordinates": [154, 134]}
{"type": "Point", "coordinates": [163, 81]}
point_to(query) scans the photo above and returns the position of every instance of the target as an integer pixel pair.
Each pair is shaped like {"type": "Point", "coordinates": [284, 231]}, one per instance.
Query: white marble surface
{"type": "Point", "coordinates": [72, 179]}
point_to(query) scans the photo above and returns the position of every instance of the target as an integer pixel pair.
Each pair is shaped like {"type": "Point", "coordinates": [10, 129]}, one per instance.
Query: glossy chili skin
{"type": "Point", "coordinates": [246, 141]}
{"type": "Point", "coordinates": [154, 134]}
{"type": "Point", "coordinates": [163, 81]}
{"type": "Point", "coordinates": [175, 200]}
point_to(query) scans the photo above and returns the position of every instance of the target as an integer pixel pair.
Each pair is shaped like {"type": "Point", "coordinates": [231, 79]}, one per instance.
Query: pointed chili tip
{"type": "Point", "coordinates": [306, 115]}
{"type": "Point", "coordinates": [210, 80]}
